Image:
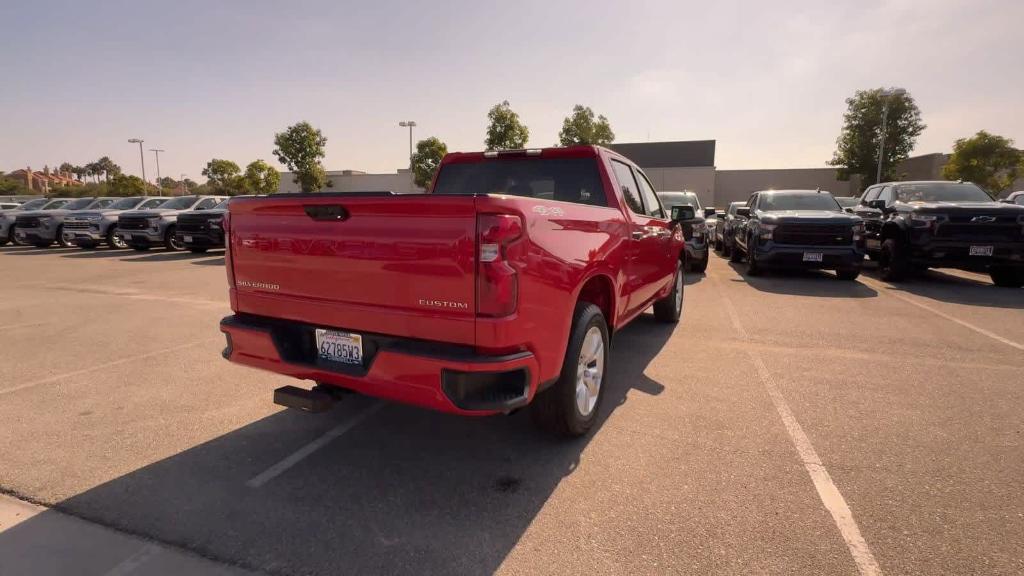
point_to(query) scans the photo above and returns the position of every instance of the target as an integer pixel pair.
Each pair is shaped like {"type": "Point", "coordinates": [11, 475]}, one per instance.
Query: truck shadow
{"type": "Point", "coordinates": [102, 252]}
{"type": "Point", "coordinates": [957, 288]}
{"type": "Point", "coordinates": [167, 257]}
{"type": "Point", "coordinates": [36, 251]}
{"type": "Point", "coordinates": [405, 492]}
{"type": "Point", "coordinates": [803, 283]}
{"type": "Point", "coordinates": [219, 261]}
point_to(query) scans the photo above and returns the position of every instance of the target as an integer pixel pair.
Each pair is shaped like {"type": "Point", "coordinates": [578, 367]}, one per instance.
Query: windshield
{"type": "Point", "coordinates": [734, 206]}
{"type": "Point", "coordinates": [125, 204]}
{"type": "Point", "coordinates": [565, 179]}
{"type": "Point", "coordinates": [223, 205]}
{"type": "Point", "coordinates": [847, 201]}
{"type": "Point", "coordinates": [152, 203]}
{"type": "Point", "coordinates": [775, 201]}
{"type": "Point", "coordinates": [670, 199]}
{"type": "Point", "coordinates": [55, 205]}
{"type": "Point", "coordinates": [33, 204]}
{"type": "Point", "coordinates": [941, 192]}
{"type": "Point", "coordinates": [78, 204]}
{"type": "Point", "coordinates": [180, 203]}
{"type": "Point", "coordinates": [101, 203]}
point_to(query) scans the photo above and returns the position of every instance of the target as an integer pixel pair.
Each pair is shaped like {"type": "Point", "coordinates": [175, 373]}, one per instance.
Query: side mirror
{"type": "Point", "coordinates": [709, 212]}
{"type": "Point", "coordinates": [876, 204]}
{"type": "Point", "coordinates": [683, 212]}
{"type": "Point", "coordinates": [743, 211]}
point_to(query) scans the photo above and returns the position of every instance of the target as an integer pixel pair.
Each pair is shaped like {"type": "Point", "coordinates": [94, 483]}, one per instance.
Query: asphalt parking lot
{"type": "Point", "coordinates": [790, 424]}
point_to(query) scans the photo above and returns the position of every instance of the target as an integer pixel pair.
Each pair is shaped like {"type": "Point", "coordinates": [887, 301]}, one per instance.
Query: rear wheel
{"type": "Point", "coordinates": [571, 405]}
{"type": "Point", "coordinates": [892, 262]}
{"type": "Point", "coordinates": [702, 264]}
{"type": "Point", "coordinates": [670, 308]}
{"type": "Point", "coordinates": [735, 254]}
{"type": "Point", "coordinates": [14, 238]}
{"type": "Point", "coordinates": [1007, 277]}
{"type": "Point", "coordinates": [171, 240]}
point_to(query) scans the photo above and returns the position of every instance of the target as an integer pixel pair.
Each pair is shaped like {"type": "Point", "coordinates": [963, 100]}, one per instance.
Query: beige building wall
{"type": "Point", "coordinates": [350, 181]}
{"type": "Point", "coordinates": [737, 185]}
{"type": "Point", "coordinates": [700, 180]}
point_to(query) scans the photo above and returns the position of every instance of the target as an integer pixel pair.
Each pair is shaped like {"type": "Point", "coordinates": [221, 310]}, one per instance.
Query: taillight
{"type": "Point", "coordinates": [497, 286]}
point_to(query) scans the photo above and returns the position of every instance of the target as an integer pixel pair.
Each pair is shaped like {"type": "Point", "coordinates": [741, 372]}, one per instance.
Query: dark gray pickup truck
{"type": "Point", "coordinates": [89, 228]}
{"type": "Point", "coordinates": [143, 229]}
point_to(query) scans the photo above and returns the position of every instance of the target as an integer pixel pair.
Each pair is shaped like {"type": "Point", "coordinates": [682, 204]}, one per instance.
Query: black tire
{"type": "Point", "coordinates": [753, 268]}
{"type": "Point", "coordinates": [555, 410]}
{"type": "Point", "coordinates": [700, 265]}
{"type": "Point", "coordinates": [198, 249]}
{"type": "Point", "coordinates": [719, 245]}
{"type": "Point", "coordinates": [1005, 277]}
{"type": "Point", "coordinates": [42, 244]}
{"type": "Point", "coordinates": [171, 241]}
{"type": "Point", "coordinates": [848, 274]}
{"type": "Point", "coordinates": [735, 254]}
{"type": "Point", "coordinates": [140, 248]}
{"type": "Point", "coordinates": [61, 240]}
{"type": "Point", "coordinates": [670, 308]}
{"type": "Point", "coordinates": [14, 239]}
{"type": "Point", "coordinates": [892, 262]}
{"type": "Point", "coordinates": [113, 242]}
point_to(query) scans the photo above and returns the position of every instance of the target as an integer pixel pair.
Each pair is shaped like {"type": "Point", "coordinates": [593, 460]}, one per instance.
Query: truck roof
{"type": "Point", "coordinates": [578, 151]}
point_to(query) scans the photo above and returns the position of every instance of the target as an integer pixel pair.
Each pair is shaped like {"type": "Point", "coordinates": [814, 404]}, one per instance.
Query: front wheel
{"type": "Point", "coordinates": [892, 261]}
{"type": "Point", "coordinates": [753, 268]}
{"type": "Point", "coordinates": [14, 238]}
{"type": "Point", "coordinates": [61, 240]}
{"type": "Point", "coordinates": [1005, 277]}
{"type": "Point", "coordinates": [114, 241]}
{"type": "Point", "coordinates": [171, 241]}
{"type": "Point", "coordinates": [848, 274]}
{"type": "Point", "coordinates": [571, 405]}
{"type": "Point", "coordinates": [702, 264]}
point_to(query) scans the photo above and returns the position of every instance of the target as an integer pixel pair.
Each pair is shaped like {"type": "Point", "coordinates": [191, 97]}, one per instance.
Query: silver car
{"type": "Point", "coordinates": [8, 216]}
{"type": "Point", "coordinates": [90, 228]}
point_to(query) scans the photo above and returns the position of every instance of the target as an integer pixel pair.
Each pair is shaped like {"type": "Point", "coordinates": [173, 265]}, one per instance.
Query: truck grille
{"type": "Point", "coordinates": [27, 222]}
{"type": "Point", "coordinates": [132, 223]}
{"type": "Point", "coordinates": [994, 231]}
{"type": "Point", "coordinates": [195, 223]}
{"type": "Point", "coordinates": [814, 234]}
{"type": "Point", "coordinates": [75, 225]}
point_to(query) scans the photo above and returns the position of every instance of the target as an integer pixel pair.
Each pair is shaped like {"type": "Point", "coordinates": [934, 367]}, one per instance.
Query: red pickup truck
{"type": "Point", "coordinates": [499, 288]}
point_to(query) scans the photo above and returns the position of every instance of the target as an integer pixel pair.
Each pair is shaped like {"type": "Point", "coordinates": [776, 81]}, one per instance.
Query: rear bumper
{"type": "Point", "coordinates": [832, 257]}
{"type": "Point", "coordinates": [437, 376]}
{"type": "Point", "coordinates": [957, 254]}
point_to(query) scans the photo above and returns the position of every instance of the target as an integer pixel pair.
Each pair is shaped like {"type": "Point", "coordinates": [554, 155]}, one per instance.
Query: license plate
{"type": "Point", "coordinates": [339, 346]}
{"type": "Point", "coordinates": [188, 238]}
{"type": "Point", "coordinates": [981, 250]}
{"type": "Point", "coordinates": [812, 256]}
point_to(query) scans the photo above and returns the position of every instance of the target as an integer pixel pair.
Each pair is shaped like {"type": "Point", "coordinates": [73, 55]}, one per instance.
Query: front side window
{"type": "Point", "coordinates": [650, 198]}
{"type": "Point", "coordinates": [624, 176]}
{"type": "Point", "coordinates": [101, 203]}
{"type": "Point", "coordinates": [125, 204]}
{"type": "Point", "coordinates": [152, 203]}
{"type": "Point", "coordinates": [573, 180]}
{"type": "Point", "coordinates": [871, 194]}
{"type": "Point", "coordinates": [206, 204]}
{"type": "Point", "coordinates": [886, 194]}
{"type": "Point", "coordinates": [56, 204]}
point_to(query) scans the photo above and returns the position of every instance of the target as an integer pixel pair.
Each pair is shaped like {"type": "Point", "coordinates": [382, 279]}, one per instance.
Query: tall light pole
{"type": "Point", "coordinates": [409, 124]}
{"type": "Point", "coordinates": [142, 159]}
{"type": "Point", "coordinates": [184, 185]}
{"type": "Point", "coordinates": [887, 96]}
{"type": "Point", "coordinates": [157, 152]}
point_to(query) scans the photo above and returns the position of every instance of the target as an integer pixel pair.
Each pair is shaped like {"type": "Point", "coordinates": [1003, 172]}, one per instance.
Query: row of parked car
{"type": "Point", "coordinates": [906, 227]}
{"type": "Point", "coordinates": [138, 222]}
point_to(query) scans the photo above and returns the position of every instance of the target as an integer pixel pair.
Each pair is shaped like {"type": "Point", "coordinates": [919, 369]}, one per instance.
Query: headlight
{"type": "Point", "coordinates": [767, 230]}
{"type": "Point", "coordinates": [924, 220]}
{"type": "Point", "coordinates": [46, 221]}
{"type": "Point", "coordinates": [215, 224]}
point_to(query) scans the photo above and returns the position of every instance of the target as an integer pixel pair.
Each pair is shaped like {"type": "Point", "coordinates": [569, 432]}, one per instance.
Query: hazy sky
{"type": "Point", "coordinates": [205, 79]}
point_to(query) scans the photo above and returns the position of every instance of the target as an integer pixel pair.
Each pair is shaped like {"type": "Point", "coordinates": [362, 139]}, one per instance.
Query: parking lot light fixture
{"type": "Point", "coordinates": [887, 95]}
{"type": "Point", "coordinates": [410, 125]}
{"type": "Point", "coordinates": [142, 159]}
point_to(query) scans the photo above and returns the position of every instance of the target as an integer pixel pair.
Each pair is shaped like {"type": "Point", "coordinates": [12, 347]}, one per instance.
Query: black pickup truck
{"type": "Point", "coordinates": [912, 226]}
{"type": "Point", "coordinates": [200, 230]}
{"type": "Point", "coordinates": [804, 229]}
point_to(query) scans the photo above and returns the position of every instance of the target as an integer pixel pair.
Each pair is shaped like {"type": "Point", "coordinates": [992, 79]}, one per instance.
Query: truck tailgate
{"type": "Point", "coordinates": [401, 265]}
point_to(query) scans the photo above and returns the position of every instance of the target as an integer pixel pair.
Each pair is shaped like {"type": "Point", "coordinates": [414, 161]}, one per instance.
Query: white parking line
{"type": "Point", "coordinates": [57, 377]}
{"type": "Point", "coordinates": [823, 484]}
{"type": "Point", "coordinates": [978, 329]}
{"type": "Point", "coordinates": [131, 563]}
{"type": "Point", "coordinates": [302, 453]}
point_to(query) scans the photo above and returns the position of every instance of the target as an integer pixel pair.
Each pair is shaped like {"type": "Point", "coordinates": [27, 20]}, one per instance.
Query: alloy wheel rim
{"type": "Point", "coordinates": [590, 371]}
{"type": "Point", "coordinates": [116, 242]}
{"type": "Point", "coordinates": [679, 290]}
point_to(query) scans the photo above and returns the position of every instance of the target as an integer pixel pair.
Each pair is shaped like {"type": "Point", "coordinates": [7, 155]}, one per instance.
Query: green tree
{"type": "Point", "coordinates": [123, 185]}
{"type": "Point", "coordinates": [580, 127]}
{"type": "Point", "coordinates": [505, 131]}
{"type": "Point", "coordinates": [426, 159]}
{"type": "Point", "coordinates": [858, 142]}
{"type": "Point", "coordinates": [261, 178]}
{"type": "Point", "coordinates": [223, 176]}
{"type": "Point", "coordinates": [106, 167]}
{"type": "Point", "coordinates": [988, 160]}
{"type": "Point", "coordinates": [12, 187]}
{"type": "Point", "coordinates": [167, 182]}
{"type": "Point", "coordinates": [301, 148]}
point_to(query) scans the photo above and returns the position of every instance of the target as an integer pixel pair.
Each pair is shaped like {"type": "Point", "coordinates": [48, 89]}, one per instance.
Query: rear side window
{"type": "Point", "coordinates": [564, 179]}
{"type": "Point", "coordinates": [871, 194]}
{"type": "Point", "coordinates": [207, 204]}
{"type": "Point", "coordinates": [624, 176]}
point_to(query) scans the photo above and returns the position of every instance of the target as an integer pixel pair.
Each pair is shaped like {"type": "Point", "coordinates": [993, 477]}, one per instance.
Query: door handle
{"type": "Point", "coordinates": [638, 235]}
{"type": "Point", "coordinates": [328, 212]}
